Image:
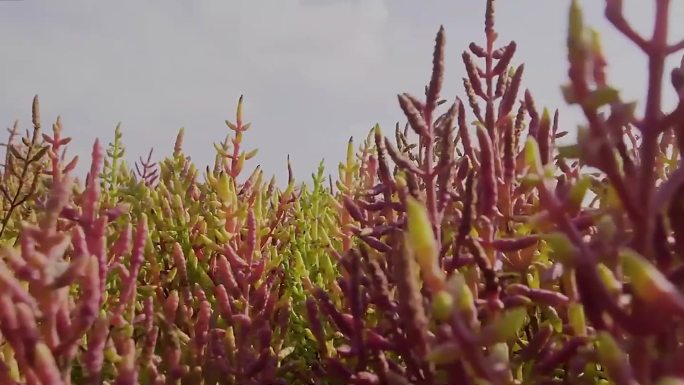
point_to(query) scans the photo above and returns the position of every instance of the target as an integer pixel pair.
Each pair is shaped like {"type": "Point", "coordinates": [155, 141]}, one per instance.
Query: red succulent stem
{"type": "Point", "coordinates": [594, 295]}
{"type": "Point", "coordinates": [580, 88]}
{"type": "Point", "coordinates": [615, 16]}
{"type": "Point", "coordinates": [490, 119]}
{"type": "Point", "coordinates": [429, 175]}
{"type": "Point", "coordinates": [657, 52]}
{"type": "Point", "coordinates": [675, 47]}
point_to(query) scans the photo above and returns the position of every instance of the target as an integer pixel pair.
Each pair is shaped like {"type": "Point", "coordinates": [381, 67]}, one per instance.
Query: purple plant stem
{"type": "Point", "coordinates": [657, 52]}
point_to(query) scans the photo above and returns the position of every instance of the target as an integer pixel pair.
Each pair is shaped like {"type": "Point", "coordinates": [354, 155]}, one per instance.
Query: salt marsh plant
{"type": "Point", "coordinates": [468, 247]}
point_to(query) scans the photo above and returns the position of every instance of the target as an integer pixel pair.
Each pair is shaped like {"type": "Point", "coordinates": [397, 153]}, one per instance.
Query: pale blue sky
{"type": "Point", "coordinates": [313, 72]}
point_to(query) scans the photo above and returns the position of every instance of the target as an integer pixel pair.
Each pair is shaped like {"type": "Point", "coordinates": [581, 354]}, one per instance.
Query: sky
{"type": "Point", "coordinates": [313, 72]}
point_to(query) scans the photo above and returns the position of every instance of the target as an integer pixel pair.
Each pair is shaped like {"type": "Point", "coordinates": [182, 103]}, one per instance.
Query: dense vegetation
{"type": "Point", "coordinates": [469, 248]}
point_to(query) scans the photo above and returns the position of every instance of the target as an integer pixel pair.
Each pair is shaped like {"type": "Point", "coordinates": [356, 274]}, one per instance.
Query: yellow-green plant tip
{"type": "Point", "coordinates": [577, 318]}
{"type": "Point", "coordinates": [204, 240]}
{"type": "Point", "coordinates": [609, 353]}
{"type": "Point", "coordinates": [376, 130]}
{"type": "Point", "coordinates": [608, 278]}
{"type": "Point", "coordinates": [442, 305]}
{"type": "Point", "coordinates": [610, 198]}
{"type": "Point", "coordinates": [563, 249]}
{"type": "Point", "coordinates": [648, 282]}
{"type": "Point", "coordinates": [549, 172]}
{"type": "Point", "coordinates": [400, 181]}
{"type": "Point", "coordinates": [223, 189]}
{"type": "Point", "coordinates": [553, 318]}
{"type": "Point", "coordinates": [546, 116]}
{"type": "Point", "coordinates": [531, 180]}
{"type": "Point", "coordinates": [177, 200]}
{"type": "Point", "coordinates": [238, 113]}
{"type": "Point", "coordinates": [445, 353]}
{"type": "Point", "coordinates": [350, 152]}
{"type": "Point", "coordinates": [509, 324]}
{"type": "Point", "coordinates": [422, 241]}
{"type": "Point", "coordinates": [532, 156]}
{"type": "Point", "coordinates": [421, 236]}
{"type": "Point", "coordinates": [111, 355]}
{"type": "Point", "coordinates": [579, 190]}
{"type": "Point", "coordinates": [458, 288]}
{"type": "Point", "coordinates": [251, 154]}
{"type": "Point", "coordinates": [500, 353]}
{"type": "Point", "coordinates": [576, 22]}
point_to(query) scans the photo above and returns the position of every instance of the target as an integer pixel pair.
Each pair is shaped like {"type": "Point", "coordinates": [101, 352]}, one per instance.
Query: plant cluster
{"type": "Point", "coordinates": [472, 247]}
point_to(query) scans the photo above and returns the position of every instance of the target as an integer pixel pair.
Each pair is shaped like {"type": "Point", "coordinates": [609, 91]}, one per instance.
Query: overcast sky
{"type": "Point", "coordinates": [313, 72]}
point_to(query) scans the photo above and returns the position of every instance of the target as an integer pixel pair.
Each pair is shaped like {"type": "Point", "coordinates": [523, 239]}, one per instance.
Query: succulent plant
{"type": "Point", "coordinates": [471, 247]}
